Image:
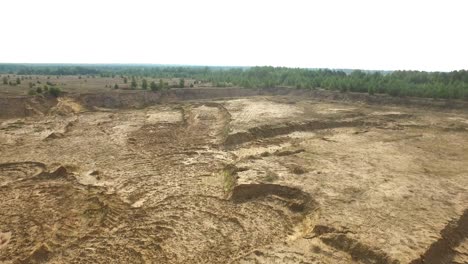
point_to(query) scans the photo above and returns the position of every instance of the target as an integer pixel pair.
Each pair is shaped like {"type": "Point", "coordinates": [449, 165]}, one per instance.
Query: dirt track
{"type": "Point", "coordinates": [253, 180]}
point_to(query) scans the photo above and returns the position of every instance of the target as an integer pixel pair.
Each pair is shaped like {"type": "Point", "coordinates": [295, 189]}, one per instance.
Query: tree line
{"type": "Point", "coordinates": [448, 85]}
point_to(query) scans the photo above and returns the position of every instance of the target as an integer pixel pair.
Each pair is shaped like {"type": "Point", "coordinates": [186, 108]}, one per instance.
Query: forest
{"type": "Point", "coordinates": [446, 85]}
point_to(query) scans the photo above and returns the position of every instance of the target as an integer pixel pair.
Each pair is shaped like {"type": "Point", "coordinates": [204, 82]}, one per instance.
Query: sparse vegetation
{"type": "Point", "coordinates": [448, 85]}
{"type": "Point", "coordinates": [229, 178]}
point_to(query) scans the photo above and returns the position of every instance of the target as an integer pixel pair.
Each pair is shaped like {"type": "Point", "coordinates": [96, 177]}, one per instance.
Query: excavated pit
{"type": "Point", "coordinates": [128, 178]}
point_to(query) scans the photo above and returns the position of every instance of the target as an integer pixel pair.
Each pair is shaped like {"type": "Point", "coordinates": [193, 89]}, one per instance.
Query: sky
{"type": "Point", "coordinates": [360, 34]}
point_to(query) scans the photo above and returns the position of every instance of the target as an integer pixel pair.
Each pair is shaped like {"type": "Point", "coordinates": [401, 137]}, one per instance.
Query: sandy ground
{"type": "Point", "coordinates": [254, 180]}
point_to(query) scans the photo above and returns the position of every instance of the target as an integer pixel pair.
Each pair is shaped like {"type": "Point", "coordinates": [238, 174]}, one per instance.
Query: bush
{"type": "Point", "coordinates": [39, 90]}
{"type": "Point", "coordinates": [153, 86]}
{"type": "Point", "coordinates": [55, 91]}
{"type": "Point", "coordinates": [270, 176]}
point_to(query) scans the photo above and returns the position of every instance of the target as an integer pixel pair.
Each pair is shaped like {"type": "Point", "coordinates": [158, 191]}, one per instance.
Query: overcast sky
{"type": "Point", "coordinates": [365, 34]}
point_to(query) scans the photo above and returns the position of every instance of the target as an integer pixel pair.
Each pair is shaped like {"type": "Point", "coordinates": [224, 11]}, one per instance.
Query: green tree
{"type": "Point", "coordinates": [144, 84]}
{"type": "Point", "coordinates": [125, 79]}
{"type": "Point", "coordinates": [161, 84]}
{"type": "Point", "coordinates": [181, 83]}
{"type": "Point", "coordinates": [134, 83]}
{"type": "Point", "coordinates": [5, 80]}
{"type": "Point", "coordinates": [116, 86]}
{"type": "Point", "coordinates": [39, 90]}
{"type": "Point", "coordinates": [18, 80]}
{"type": "Point", "coordinates": [153, 86]}
{"type": "Point", "coordinates": [371, 90]}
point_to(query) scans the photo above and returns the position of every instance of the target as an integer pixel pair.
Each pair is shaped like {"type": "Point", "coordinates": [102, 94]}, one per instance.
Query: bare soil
{"type": "Point", "coordinates": [258, 179]}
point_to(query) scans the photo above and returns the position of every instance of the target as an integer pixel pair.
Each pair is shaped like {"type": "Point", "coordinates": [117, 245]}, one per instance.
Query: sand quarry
{"type": "Point", "coordinates": [258, 179]}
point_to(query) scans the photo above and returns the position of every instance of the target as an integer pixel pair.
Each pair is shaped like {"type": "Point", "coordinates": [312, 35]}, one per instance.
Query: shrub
{"type": "Point", "coordinates": [55, 91]}
{"type": "Point", "coordinates": [153, 86]}
{"type": "Point", "coordinates": [298, 170]}
{"type": "Point", "coordinates": [271, 176]}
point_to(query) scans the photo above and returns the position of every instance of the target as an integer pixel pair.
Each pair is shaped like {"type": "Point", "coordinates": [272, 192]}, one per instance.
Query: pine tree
{"type": "Point", "coordinates": [134, 84]}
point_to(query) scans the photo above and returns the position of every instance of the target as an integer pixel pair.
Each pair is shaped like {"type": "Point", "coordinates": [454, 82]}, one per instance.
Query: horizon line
{"type": "Point", "coordinates": [214, 66]}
